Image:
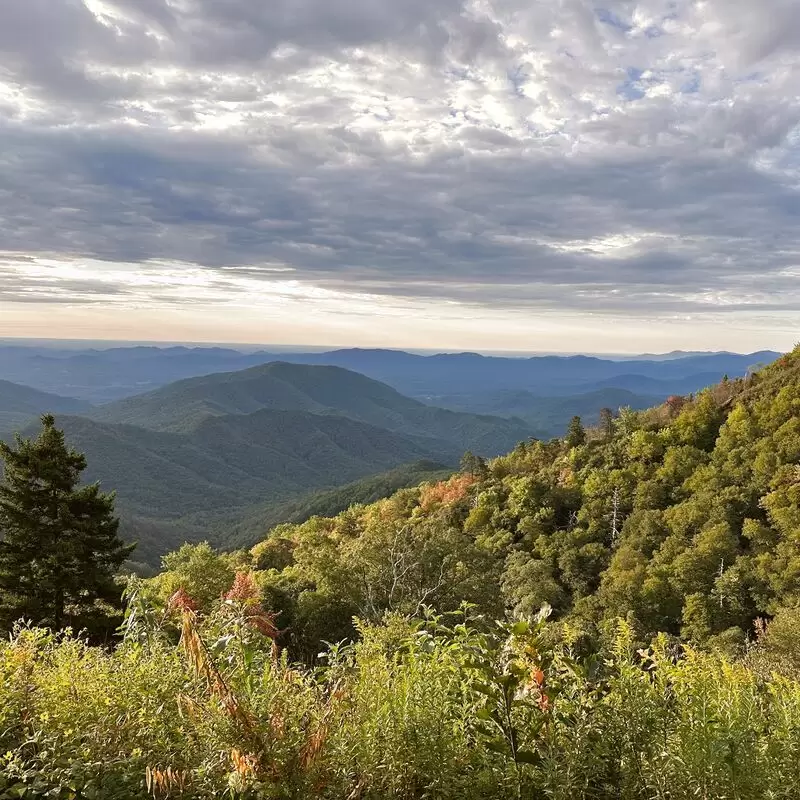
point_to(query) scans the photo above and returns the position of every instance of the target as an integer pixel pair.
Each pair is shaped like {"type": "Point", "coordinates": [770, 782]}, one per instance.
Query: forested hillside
{"type": "Point", "coordinates": [325, 503]}
{"type": "Point", "coordinates": [207, 457]}
{"type": "Point", "coordinates": [18, 404]}
{"type": "Point", "coordinates": [663, 545]}
{"type": "Point", "coordinates": [683, 519]}
{"type": "Point", "coordinates": [315, 389]}
{"type": "Point", "coordinates": [177, 486]}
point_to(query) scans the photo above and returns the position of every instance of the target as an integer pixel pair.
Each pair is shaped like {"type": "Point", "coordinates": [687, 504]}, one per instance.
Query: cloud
{"type": "Point", "coordinates": [630, 158]}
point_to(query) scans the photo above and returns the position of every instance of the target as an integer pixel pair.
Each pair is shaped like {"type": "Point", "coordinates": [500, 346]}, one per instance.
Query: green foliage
{"type": "Point", "coordinates": [200, 571]}
{"type": "Point", "coordinates": [257, 521]}
{"type": "Point", "coordinates": [777, 645]}
{"type": "Point", "coordinates": [441, 707]}
{"type": "Point", "coordinates": [606, 422]}
{"type": "Point", "coordinates": [60, 549]}
{"type": "Point", "coordinates": [474, 466]}
{"type": "Point", "coordinates": [576, 435]}
{"type": "Point", "coordinates": [684, 519]}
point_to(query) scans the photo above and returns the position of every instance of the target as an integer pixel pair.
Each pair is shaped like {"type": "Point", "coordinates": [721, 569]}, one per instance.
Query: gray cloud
{"type": "Point", "coordinates": [638, 156]}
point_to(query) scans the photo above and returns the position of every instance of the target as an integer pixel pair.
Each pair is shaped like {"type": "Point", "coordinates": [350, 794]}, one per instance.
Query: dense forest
{"type": "Point", "coordinates": [680, 519]}
{"type": "Point", "coordinates": [611, 614]}
{"type": "Point", "coordinates": [196, 456]}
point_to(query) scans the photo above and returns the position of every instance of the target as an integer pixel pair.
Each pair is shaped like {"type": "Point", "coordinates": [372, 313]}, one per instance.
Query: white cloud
{"type": "Point", "coordinates": [633, 160]}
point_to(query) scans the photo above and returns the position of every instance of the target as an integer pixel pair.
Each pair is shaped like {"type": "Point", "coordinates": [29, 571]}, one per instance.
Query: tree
{"type": "Point", "coordinates": [202, 572]}
{"type": "Point", "coordinates": [474, 466]}
{"type": "Point", "coordinates": [576, 433]}
{"type": "Point", "coordinates": [607, 422]}
{"type": "Point", "coordinates": [60, 547]}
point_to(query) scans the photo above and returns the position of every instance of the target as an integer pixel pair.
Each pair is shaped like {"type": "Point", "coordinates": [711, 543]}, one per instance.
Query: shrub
{"type": "Point", "coordinates": [439, 707]}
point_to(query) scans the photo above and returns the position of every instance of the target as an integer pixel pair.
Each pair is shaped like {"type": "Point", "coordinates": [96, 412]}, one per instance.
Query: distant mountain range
{"type": "Point", "coordinates": [208, 456]}
{"type": "Point", "coordinates": [100, 376]}
{"type": "Point", "coordinates": [548, 415]}
{"type": "Point", "coordinates": [466, 373]}
{"type": "Point", "coordinates": [318, 390]}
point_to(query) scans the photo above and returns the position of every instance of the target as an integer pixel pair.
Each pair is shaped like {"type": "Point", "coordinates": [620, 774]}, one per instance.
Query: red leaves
{"type": "Point", "coordinates": [243, 590]}
{"type": "Point", "coordinates": [446, 492]}
{"type": "Point", "coordinates": [181, 601]}
{"type": "Point", "coordinates": [536, 688]}
{"type": "Point", "coordinates": [245, 593]}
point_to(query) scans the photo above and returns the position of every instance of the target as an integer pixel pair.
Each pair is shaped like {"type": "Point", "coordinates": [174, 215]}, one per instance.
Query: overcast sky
{"type": "Point", "coordinates": [485, 174]}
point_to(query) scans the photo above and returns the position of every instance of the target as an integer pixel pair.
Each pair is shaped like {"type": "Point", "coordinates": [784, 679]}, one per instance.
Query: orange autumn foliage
{"type": "Point", "coordinates": [446, 492]}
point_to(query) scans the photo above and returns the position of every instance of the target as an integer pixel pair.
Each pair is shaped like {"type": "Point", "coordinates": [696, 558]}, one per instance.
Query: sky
{"type": "Point", "coordinates": [479, 174]}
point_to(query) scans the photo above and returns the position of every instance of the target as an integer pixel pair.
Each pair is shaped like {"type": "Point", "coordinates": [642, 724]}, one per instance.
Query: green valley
{"type": "Point", "coordinates": [222, 455]}
{"type": "Point", "coordinates": [172, 486]}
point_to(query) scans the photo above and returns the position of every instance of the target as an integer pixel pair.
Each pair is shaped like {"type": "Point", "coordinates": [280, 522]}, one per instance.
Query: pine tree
{"type": "Point", "coordinates": [606, 422]}
{"type": "Point", "coordinates": [576, 433]}
{"type": "Point", "coordinates": [60, 546]}
{"type": "Point", "coordinates": [473, 465]}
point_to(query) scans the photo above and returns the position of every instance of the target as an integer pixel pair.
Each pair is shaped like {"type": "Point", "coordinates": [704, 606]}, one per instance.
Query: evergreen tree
{"type": "Point", "coordinates": [474, 465]}
{"type": "Point", "coordinates": [606, 422]}
{"type": "Point", "coordinates": [60, 546]}
{"type": "Point", "coordinates": [576, 433]}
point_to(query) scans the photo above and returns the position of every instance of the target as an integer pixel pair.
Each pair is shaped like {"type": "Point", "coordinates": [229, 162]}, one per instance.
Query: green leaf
{"type": "Point", "coordinates": [520, 628]}
{"type": "Point", "coordinates": [498, 746]}
{"type": "Point", "coordinates": [528, 757]}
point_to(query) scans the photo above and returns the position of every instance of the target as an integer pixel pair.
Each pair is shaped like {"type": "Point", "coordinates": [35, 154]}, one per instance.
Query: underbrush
{"type": "Point", "coordinates": [443, 707]}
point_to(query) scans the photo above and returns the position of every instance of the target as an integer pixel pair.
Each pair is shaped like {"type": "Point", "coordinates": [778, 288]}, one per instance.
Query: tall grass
{"type": "Point", "coordinates": [435, 708]}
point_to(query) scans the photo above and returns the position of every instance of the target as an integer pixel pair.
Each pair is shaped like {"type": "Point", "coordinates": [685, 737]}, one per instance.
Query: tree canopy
{"type": "Point", "coordinates": [60, 549]}
{"type": "Point", "coordinates": [684, 518]}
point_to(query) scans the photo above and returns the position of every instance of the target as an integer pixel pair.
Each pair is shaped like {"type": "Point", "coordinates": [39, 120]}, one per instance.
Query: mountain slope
{"type": "Point", "coordinates": [683, 519]}
{"type": "Point", "coordinates": [253, 524]}
{"type": "Point", "coordinates": [233, 459]}
{"type": "Point", "coordinates": [317, 389]}
{"type": "Point", "coordinates": [549, 416]}
{"type": "Point", "coordinates": [173, 484]}
{"type": "Point", "coordinates": [19, 404]}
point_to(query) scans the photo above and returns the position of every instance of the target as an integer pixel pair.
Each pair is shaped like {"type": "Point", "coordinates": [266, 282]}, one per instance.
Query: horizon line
{"type": "Point", "coordinates": [105, 344]}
